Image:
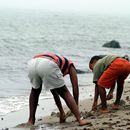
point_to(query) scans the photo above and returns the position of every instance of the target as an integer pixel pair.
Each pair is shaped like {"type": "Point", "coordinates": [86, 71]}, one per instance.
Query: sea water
{"type": "Point", "coordinates": [24, 33]}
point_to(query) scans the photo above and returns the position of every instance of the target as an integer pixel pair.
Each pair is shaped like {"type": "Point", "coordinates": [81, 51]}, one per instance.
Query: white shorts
{"type": "Point", "coordinates": [45, 72]}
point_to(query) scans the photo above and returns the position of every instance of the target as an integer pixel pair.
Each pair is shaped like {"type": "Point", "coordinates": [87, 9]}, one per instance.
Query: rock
{"type": "Point", "coordinates": [112, 44]}
{"type": "Point", "coordinates": [54, 114]}
{"type": "Point", "coordinates": [80, 71]}
{"type": "Point", "coordinates": [127, 98]}
{"type": "Point", "coordinates": [5, 128]}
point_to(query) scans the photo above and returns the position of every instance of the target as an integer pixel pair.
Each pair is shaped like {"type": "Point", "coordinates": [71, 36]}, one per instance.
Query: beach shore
{"type": "Point", "coordinates": [115, 120]}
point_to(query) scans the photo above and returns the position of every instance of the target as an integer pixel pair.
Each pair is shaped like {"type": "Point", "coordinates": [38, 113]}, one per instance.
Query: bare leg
{"type": "Point", "coordinates": [33, 101]}
{"type": "Point", "coordinates": [96, 94]}
{"type": "Point", "coordinates": [59, 105]}
{"type": "Point", "coordinates": [118, 95]}
{"type": "Point", "coordinates": [102, 93]}
{"type": "Point", "coordinates": [65, 94]}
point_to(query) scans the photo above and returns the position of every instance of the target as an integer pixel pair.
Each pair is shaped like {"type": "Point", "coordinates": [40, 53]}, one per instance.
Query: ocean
{"type": "Point", "coordinates": [24, 33]}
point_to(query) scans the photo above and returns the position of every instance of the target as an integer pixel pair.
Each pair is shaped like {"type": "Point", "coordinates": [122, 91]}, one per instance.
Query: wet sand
{"type": "Point", "coordinates": [114, 120]}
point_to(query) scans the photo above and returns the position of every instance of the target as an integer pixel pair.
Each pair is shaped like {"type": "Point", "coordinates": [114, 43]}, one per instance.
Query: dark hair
{"type": "Point", "coordinates": [126, 57]}
{"type": "Point", "coordinates": [95, 58]}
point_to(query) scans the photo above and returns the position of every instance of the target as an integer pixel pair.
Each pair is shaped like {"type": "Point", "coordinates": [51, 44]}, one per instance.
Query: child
{"type": "Point", "coordinates": [49, 69]}
{"type": "Point", "coordinates": [107, 71]}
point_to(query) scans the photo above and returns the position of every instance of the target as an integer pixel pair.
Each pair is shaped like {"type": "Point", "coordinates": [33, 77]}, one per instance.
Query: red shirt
{"type": "Point", "coordinates": [63, 63]}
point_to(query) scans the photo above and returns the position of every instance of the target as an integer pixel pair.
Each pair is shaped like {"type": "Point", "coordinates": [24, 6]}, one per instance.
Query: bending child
{"type": "Point", "coordinates": [106, 72]}
{"type": "Point", "coordinates": [49, 69]}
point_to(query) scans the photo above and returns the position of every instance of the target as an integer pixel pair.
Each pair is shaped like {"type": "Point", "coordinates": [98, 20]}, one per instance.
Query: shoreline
{"type": "Point", "coordinates": [47, 117]}
{"type": "Point", "coordinates": [45, 108]}
{"type": "Point", "coordinates": [114, 120]}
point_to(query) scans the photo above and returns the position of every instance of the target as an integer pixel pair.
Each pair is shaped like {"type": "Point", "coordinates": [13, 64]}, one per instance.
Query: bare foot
{"type": "Point", "coordinates": [31, 121]}
{"type": "Point", "coordinates": [62, 118]}
{"type": "Point", "coordinates": [94, 107]}
{"type": "Point", "coordinates": [115, 106]}
{"type": "Point", "coordinates": [104, 110]}
{"type": "Point", "coordinates": [65, 116]}
{"type": "Point", "coordinates": [84, 122]}
{"type": "Point", "coordinates": [109, 96]}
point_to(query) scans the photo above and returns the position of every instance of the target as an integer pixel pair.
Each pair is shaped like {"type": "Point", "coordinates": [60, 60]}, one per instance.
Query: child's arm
{"type": "Point", "coordinates": [110, 94]}
{"type": "Point", "coordinates": [95, 102]}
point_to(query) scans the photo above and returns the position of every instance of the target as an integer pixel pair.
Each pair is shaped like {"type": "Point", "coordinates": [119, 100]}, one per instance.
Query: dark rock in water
{"type": "Point", "coordinates": [112, 44]}
{"type": "Point", "coordinates": [82, 71]}
{"type": "Point", "coordinates": [5, 128]}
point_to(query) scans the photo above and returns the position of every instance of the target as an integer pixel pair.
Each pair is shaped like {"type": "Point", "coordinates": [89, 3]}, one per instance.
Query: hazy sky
{"type": "Point", "coordinates": [103, 6]}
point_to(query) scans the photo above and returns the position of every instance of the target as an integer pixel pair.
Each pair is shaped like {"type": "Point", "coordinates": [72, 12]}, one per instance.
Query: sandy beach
{"type": "Point", "coordinates": [76, 35]}
{"type": "Point", "coordinates": [115, 120]}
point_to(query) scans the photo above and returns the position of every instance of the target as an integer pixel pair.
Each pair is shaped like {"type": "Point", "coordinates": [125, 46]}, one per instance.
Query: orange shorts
{"type": "Point", "coordinates": [117, 71]}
